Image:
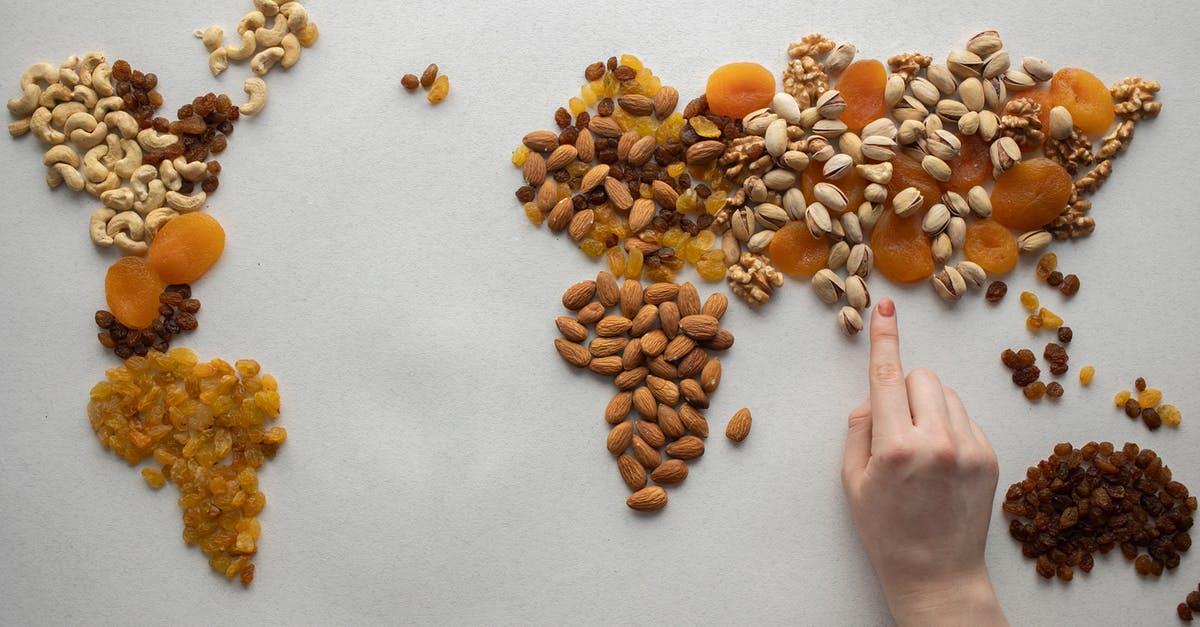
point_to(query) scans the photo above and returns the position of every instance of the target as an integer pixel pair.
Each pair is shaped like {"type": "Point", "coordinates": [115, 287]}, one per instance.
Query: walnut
{"type": "Point", "coordinates": [1116, 141]}
{"type": "Point", "coordinates": [907, 64]}
{"type": "Point", "coordinates": [1094, 179]}
{"type": "Point", "coordinates": [805, 80]}
{"type": "Point", "coordinates": [1135, 98]}
{"type": "Point", "coordinates": [754, 278]}
{"type": "Point", "coordinates": [813, 45]}
{"type": "Point", "coordinates": [1020, 121]}
{"type": "Point", "coordinates": [744, 157]}
{"type": "Point", "coordinates": [1072, 153]}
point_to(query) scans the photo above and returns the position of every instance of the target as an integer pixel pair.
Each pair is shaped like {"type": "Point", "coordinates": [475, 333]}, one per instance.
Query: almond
{"type": "Point", "coordinates": [644, 403]}
{"type": "Point", "coordinates": [636, 104]}
{"type": "Point", "coordinates": [607, 346]}
{"type": "Point", "coordinates": [631, 378]}
{"type": "Point", "coordinates": [607, 290]}
{"type": "Point", "coordinates": [604, 127]}
{"type": "Point", "coordinates": [618, 194]}
{"type": "Point", "coordinates": [593, 177]}
{"type": "Point", "coordinates": [534, 169]}
{"type": "Point", "coordinates": [560, 216]}
{"type": "Point", "coordinates": [612, 326]}
{"type": "Point", "coordinates": [693, 363]}
{"type": "Point", "coordinates": [665, 102]}
{"type": "Point", "coordinates": [651, 433]}
{"type": "Point", "coordinates": [695, 421]}
{"type": "Point", "coordinates": [618, 408]}
{"type": "Point", "coordinates": [645, 454]}
{"type": "Point", "coordinates": [670, 472]}
{"type": "Point", "coordinates": [607, 366]}
{"type": "Point", "coordinates": [571, 329]}
{"type": "Point", "coordinates": [585, 145]}
{"type": "Point", "coordinates": [710, 377]}
{"type": "Point", "coordinates": [715, 305]}
{"type": "Point", "coordinates": [581, 224]}
{"type": "Point", "coordinates": [668, 318]}
{"type": "Point", "coordinates": [663, 368]}
{"type": "Point", "coordinates": [688, 300]}
{"type": "Point", "coordinates": [700, 326]}
{"type": "Point", "coordinates": [691, 390]}
{"type": "Point", "coordinates": [647, 248]}
{"type": "Point", "coordinates": [705, 152]}
{"type": "Point", "coordinates": [648, 499]}
{"type": "Point", "coordinates": [659, 293]}
{"type": "Point", "coordinates": [541, 141]}
{"type": "Point", "coordinates": [631, 297]}
{"type": "Point", "coordinates": [687, 447]}
{"type": "Point", "coordinates": [679, 346]}
{"type": "Point", "coordinates": [561, 157]}
{"type": "Point", "coordinates": [632, 356]}
{"type": "Point", "coordinates": [739, 425]}
{"type": "Point", "coordinates": [670, 422]}
{"type": "Point", "coordinates": [641, 215]}
{"type": "Point", "coordinates": [654, 343]}
{"type": "Point", "coordinates": [663, 390]}
{"type": "Point", "coordinates": [547, 196]}
{"type": "Point", "coordinates": [721, 341]}
{"type": "Point", "coordinates": [574, 353]}
{"type": "Point", "coordinates": [632, 473]}
{"type": "Point", "coordinates": [664, 194]}
{"type": "Point", "coordinates": [644, 321]}
{"type": "Point", "coordinates": [590, 314]}
{"type": "Point", "coordinates": [625, 144]}
{"type": "Point", "coordinates": [642, 151]}
{"type": "Point", "coordinates": [619, 437]}
{"type": "Point", "coordinates": [579, 295]}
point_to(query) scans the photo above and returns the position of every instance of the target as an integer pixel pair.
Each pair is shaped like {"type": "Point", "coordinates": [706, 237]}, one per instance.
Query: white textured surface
{"type": "Point", "coordinates": [443, 465]}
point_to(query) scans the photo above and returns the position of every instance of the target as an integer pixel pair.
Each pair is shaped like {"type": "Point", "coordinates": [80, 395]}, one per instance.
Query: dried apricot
{"type": "Point", "coordinates": [852, 185]}
{"type": "Point", "coordinates": [739, 88]}
{"type": "Point", "coordinates": [861, 86]}
{"type": "Point", "coordinates": [132, 288]}
{"type": "Point", "coordinates": [1031, 194]}
{"type": "Point", "coordinates": [795, 251]}
{"type": "Point", "coordinates": [991, 245]}
{"type": "Point", "coordinates": [971, 167]}
{"type": "Point", "coordinates": [1042, 98]}
{"type": "Point", "coordinates": [901, 248]}
{"type": "Point", "coordinates": [186, 247]}
{"type": "Point", "coordinates": [1085, 96]}
{"type": "Point", "coordinates": [907, 172]}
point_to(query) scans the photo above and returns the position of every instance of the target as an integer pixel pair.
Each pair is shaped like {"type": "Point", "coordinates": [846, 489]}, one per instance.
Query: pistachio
{"type": "Point", "coordinates": [829, 128]}
{"type": "Point", "coordinates": [861, 260]}
{"type": "Point", "coordinates": [964, 64]}
{"type": "Point", "coordinates": [828, 285]}
{"type": "Point", "coordinates": [850, 321]}
{"type": "Point", "coordinates": [878, 148]}
{"type": "Point", "coordinates": [741, 224]}
{"type": "Point", "coordinates": [876, 192]}
{"type": "Point", "coordinates": [995, 64]}
{"type": "Point", "coordinates": [935, 219]}
{"type": "Point", "coordinates": [1005, 153]}
{"type": "Point", "coordinates": [984, 43]}
{"type": "Point", "coordinates": [907, 202]}
{"type": "Point", "coordinates": [941, 78]}
{"type": "Point", "coordinates": [933, 124]}
{"type": "Point", "coordinates": [883, 126]}
{"type": "Point", "coordinates": [779, 179]}
{"type": "Point", "coordinates": [838, 254]}
{"type": "Point", "coordinates": [793, 203]}
{"type": "Point", "coordinates": [769, 216]}
{"type": "Point", "coordinates": [925, 91]}
{"type": "Point", "coordinates": [949, 284]}
{"type": "Point", "coordinates": [809, 117]}
{"type": "Point", "coordinates": [980, 202]}
{"type": "Point", "coordinates": [838, 166]}
{"type": "Point", "coordinates": [956, 230]}
{"type": "Point", "coordinates": [1017, 79]}
{"type": "Point", "coordinates": [936, 168]}
{"type": "Point", "coordinates": [1060, 122]}
{"type": "Point", "coordinates": [1037, 69]}
{"type": "Point", "coordinates": [794, 160]}
{"type": "Point", "coordinates": [731, 248]}
{"type": "Point", "coordinates": [970, 91]}
{"type": "Point", "coordinates": [756, 122]}
{"type": "Point", "coordinates": [786, 107]}
{"type": "Point", "coordinates": [869, 213]}
{"type": "Point", "coordinates": [989, 125]}
{"type": "Point", "coordinates": [760, 241]}
{"type": "Point", "coordinates": [941, 249]}
{"type": "Point", "coordinates": [893, 90]}
{"type": "Point", "coordinates": [1034, 241]}
{"type": "Point", "coordinates": [852, 228]}
{"type": "Point", "coordinates": [968, 124]}
{"type": "Point", "coordinates": [756, 189]}
{"type": "Point", "coordinates": [876, 172]}
{"type": "Point", "coordinates": [994, 93]}
{"type": "Point", "coordinates": [830, 104]}
{"type": "Point", "coordinates": [910, 131]}
{"type": "Point", "coordinates": [820, 149]}
{"type": "Point", "coordinates": [776, 137]}
{"type": "Point", "coordinates": [857, 293]}
{"type": "Point", "coordinates": [951, 110]}
{"type": "Point", "coordinates": [955, 202]}
{"type": "Point", "coordinates": [943, 144]}
{"type": "Point", "coordinates": [909, 108]}
{"type": "Point", "coordinates": [972, 273]}
{"type": "Point", "coordinates": [830, 196]}
{"type": "Point", "coordinates": [816, 217]}
{"type": "Point", "coordinates": [851, 145]}
{"type": "Point", "coordinates": [840, 58]}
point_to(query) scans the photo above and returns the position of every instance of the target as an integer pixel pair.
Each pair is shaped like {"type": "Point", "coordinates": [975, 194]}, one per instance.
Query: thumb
{"type": "Point", "coordinates": [858, 443]}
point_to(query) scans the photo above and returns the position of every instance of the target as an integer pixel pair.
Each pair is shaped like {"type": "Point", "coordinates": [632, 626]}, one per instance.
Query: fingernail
{"type": "Point", "coordinates": [887, 308]}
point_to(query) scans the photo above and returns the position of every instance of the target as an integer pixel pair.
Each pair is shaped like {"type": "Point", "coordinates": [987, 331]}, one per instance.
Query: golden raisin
{"type": "Point", "coordinates": [1086, 374]}
{"type": "Point", "coordinates": [1150, 397]}
{"type": "Point", "coordinates": [440, 89]}
{"type": "Point", "coordinates": [1046, 264]}
{"type": "Point", "coordinates": [1029, 300]}
{"type": "Point", "coordinates": [1035, 391]}
{"type": "Point", "coordinates": [1033, 323]}
{"type": "Point", "coordinates": [1049, 319]}
{"type": "Point", "coordinates": [633, 266]}
{"type": "Point", "coordinates": [616, 261]}
{"type": "Point", "coordinates": [1170, 415]}
{"type": "Point", "coordinates": [1121, 398]}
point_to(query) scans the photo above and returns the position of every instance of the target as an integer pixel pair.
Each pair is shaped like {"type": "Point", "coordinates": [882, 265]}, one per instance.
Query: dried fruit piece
{"type": "Point", "coordinates": [862, 86]}
{"type": "Point", "coordinates": [132, 289]}
{"type": "Point", "coordinates": [439, 90]}
{"type": "Point", "coordinates": [1085, 97]}
{"type": "Point", "coordinates": [796, 252]}
{"type": "Point", "coordinates": [992, 246]}
{"type": "Point", "coordinates": [186, 247]}
{"type": "Point", "coordinates": [1035, 391]}
{"type": "Point", "coordinates": [1150, 397]}
{"type": "Point", "coordinates": [901, 248]}
{"type": "Point", "coordinates": [1121, 398]}
{"type": "Point", "coordinates": [1170, 415]}
{"type": "Point", "coordinates": [996, 291]}
{"type": "Point", "coordinates": [738, 88]}
{"type": "Point", "coordinates": [1050, 320]}
{"type": "Point", "coordinates": [971, 167]}
{"type": "Point", "coordinates": [1029, 300]}
{"type": "Point", "coordinates": [1046, 264]}
{"type": "Point", "coordinates": [852, 185]}
{"type": "Point", "coordinates": [1086, 374]}
{"type": "Point", "coordinates": [907, 172]}
{"type": "Point", "coordinates": [1031, 194]}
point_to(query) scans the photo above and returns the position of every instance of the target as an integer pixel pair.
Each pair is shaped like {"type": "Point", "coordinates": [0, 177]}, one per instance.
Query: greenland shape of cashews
{"type": "Point", "coordinates": [256, 89]}
{"type": "Point", "coordinates": [86, 140]}
{"type": "Point", "coordinates": [39, 124]}
{"type": "Point", "coordinates": [87, 66]}
{"type": "Point", "coordinates": [151, 139]}
{"type": "Point", "coordinates": [218, 61]}
{"type": "Point", "coordinates": [98, 226]}
{"type": "Point", "coordinates": [106, 105]}
{"type": "Point", "coordinates": [291, 51]}
{"type": "Point", "coordinates": [61, 154]}
{"type": "Point", "coordinates": [127, 222]}
{"type": "Point", "coordinates": [40, 72]}
{"type": "Point", "coordinates": [28, 101]}
{"type": "Point", "coordinates": [60, 173]}
{"type": "Point", "coordinates": [252, 21]}
{"type": "Point", "coordinates": [273, 36]}
{"type": "Point", "coordinates": [94, 169]}
{"type": "Point", "coordinates": [85, 95]}
{"type": "Point", "coordinates": [120, 199]}
{"type": "Point", "coordinates": [63, 112]}
{"type": "Point", "coordinates": [193, 171]}
{"type": "Point", "coordinates": [159, 217]}
{"type": "Point", "coordinates": [242, 51]}
{"type": "Point", "coordinates": [140, 180]}
{"type": "Point", "coordinates": [123, 123]}
{"type": "Point", "coordinates": [111, 182]}
{"type": "Point", "coordinates": [132, 160]}
{"type": "Point", "coordinates": [185, 204]}
{"type": "Point", "coordinates": [156, 195]}
{"type": "Point", "coordinates": [265, 60]}
{"type": "Point", "coordinates": [170, 177]}
{"type": "Point", "coordinates": [102, 80]}
{"type": "Point", "coordinates": [54, 94]}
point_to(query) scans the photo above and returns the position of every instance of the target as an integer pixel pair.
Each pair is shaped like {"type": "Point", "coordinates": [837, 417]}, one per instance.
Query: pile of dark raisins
{"type": "Point", "coordinates": [176, 314]}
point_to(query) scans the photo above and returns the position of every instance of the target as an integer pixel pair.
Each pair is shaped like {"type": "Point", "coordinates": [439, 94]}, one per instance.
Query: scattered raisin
{"type": "Point", "coordinates": [1009, 358]}
{"type": "Point", "coordinates": [1132, 408]}
{"type": "Point", "coordinates": [1193, 601]}
{"type": "Point", "coordinates": [1151, 418]}
{"type": "Point", "coordinates": [562, 117]}
{"type": "Point", "coordinates": [1065, 334]}
{"type": "Point", "coordinates": [1185, 612]}
{"type": "Point", "coordinates": [1035, 391]}
{"type": "Point", "coordinates": [1139, 384]}
{"type": "Point", "coordinates": [1026, 375]}
{"type": "Point", "coordinates": [104, 319]}
{"type": "Point", "coordinates": [1070, 285]}
{"type": "Point", "coordinates": [1025, 357]}
{"type": "Point", "coordinates": [1054, 389]}
{"type": "Point", "coordinates": [1054, 353]}
{"type": "Point", "coordinates": [594, 72]}
{"type": "Point", "coordinates": [1059, 368]}
{"type": "Point", "coordinates": [606, 107]}
{"type": "Point", "coordinates": [1054, 279]}
{"type": "Point", "coordinates": [624, 73]}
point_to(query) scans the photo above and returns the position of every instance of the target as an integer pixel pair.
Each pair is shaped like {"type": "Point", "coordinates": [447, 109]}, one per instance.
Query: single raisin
{"type": "Point", "coordinates": [1132, 408]}
{"type": "Point", "coordinates": [190, 305]}
{"type": "Point", "coordinates": [1065, 334]}
{"type": "Point", "coordinates": [1193, 601]}
{"type": "Point", "coordinates": [1151, 418]}
{"type": "Point", "coordinates": [1070, 285]}
{"type": "Point", "coordinates": [996, 291]}
{"type": "Point", "coordinates": [594, 72]}
{"type": "Point", "coordinates": [1025, 358]}
{"type": "Point", "coordinates": [562, 117]}
{"type": "Point", "coordinates": [1054, 279]}
{"type": "Point", "coordinates": [1026, 375]}
{"type": "Point", "coordinates": [1054, 389]}
{"type": "Point", "coordinates": [1185, 612]}
{"type": "Point", "coordinates": [606, 107]}
{"type": "Point", "coordinates": [1035, 391]}
{"type": "Point", "coordinates": [1009, 359]}
{"type": "Point", "coordinates": [1059, 368]}
{"type": "Point", "coordinates": [1139, 384]}
{"type": "Point", "coordinates": [104, 319]}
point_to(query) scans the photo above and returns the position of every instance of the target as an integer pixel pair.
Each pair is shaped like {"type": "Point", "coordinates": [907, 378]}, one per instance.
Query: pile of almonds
{"type": "Point", "coordinates": [655, 345]}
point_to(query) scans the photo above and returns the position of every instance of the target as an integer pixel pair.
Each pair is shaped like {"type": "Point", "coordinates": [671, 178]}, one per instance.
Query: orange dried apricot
{"type": "Point", "coordinates": [736, 89]}
{"type": "Point", "coordinates": [901, 248]}
{"type": "Point", "coordinates": [861, 86]}
{"type": "Point", "coordinates": [853, 185]}
{"type": "Point", "coordinates": [1031, 194]}
{"type": "Point", "coordinates": [907, 172]}
{"type": "Point", "coordinates": [1085, 96]}
{"type": "Point", "coordinates": [186, 247]}
{"type": "Point", "coordinates": [971, 167]}
{"type": "Point", "coordinates": [795, 251]}
{"type": "Point", "coordinates": [132, 288]}
{"type": "Point", "coordinates": [1042, 98]}
{"type": "Point", "coordinates": [991, 245]}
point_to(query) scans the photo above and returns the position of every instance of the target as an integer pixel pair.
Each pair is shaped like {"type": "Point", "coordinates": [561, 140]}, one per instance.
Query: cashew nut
{"type": "Point", "coordinates": [53, 95]}
{"type": "Point", "coordinates": [193, 171]}
{"type": "Point", "coordinates": [252, 21]}
{"type": "Point", "coordinates": [68, 77]}
{"type": "Point", "coordinates": [256, 88]}
{"type": "Point", "coordinates": [39, 123]}
{"type": "Point", "coordinates": [127, 222]}
{"type": "Point", "coordinates": [185, 204]}
{"type": "Point", "coordinates": [297, 16]}
{"type": "Point", "coordinates": [114, 153]}
{"type": "Point", "coordinates": [85, 139]}
{"type": "Point", "coordinates": [85, 95]}
{"type": "Point", "coordinates": [242, 51]}
{"type": "Point", "coordinates": [211, 37]}
{"type": "Point", "coordinates": [157, 218]}
{"type": "Point", "coordinates": [120, 199]}
{"type": "Point", "coordinates": [130, 162]}
{"type": "Point", "coordinates": [141, 178]}
{"type": "Point", "coordinates": [155, 196]}
{"type": "Point", "coordinates": [129, 247]}
{"type": "Point", "coordinates": [102, 80]}
{"type": "Point", "coordinates": [70, 63]}
{"type": "Point", "coordinates": [64, 111]}
{"type": "Point", "coordinates": [95, 189]}
{"type": "Point", "coordinates": [61, 154]}
{"type": "Point", "coordinates": [94, 169]}
{"type": "Point", "coordinates": [151, 139]}
{"type": "Point", "coordinates": [44, 72]}
{"type": "Point", "coordinates": [265, 60]}
{"type": "Point", "coordinates": [82, 119]}
{"type": "Point", "coordinates": [60, 173]}
{"type": "Point", "coordinates": [28, 102]}
{"type": "Point", "coordinates": [270, 37]}
{"type": "Point", "coordinates": [18, 128]}
{"type": "Point", "coordinates": [98, 226]}
{"type": "Point", "coordinates": [123, 123]}
{"type": "Point", "coordinates": [291, 51]}
{"type": "Point", "coordinates": [87, 66]}
{"type": "Point", "coordinates": [106, 105]}
{"type": "Point", "coordinates": [218, 61]}
{"type": "Point", "coordinates": [267, 7]}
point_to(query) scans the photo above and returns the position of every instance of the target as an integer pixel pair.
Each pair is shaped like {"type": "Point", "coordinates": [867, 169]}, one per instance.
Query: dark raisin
{"type": "Point", "coordinates": [624, 73]}
{"type": "Point", "coordinates": [996, 291]}
{"type": "Point", "coordinates": [123, 351]}
{"type": "Point", "coordinates": [1055, 279]}
{"type": "Point", "coordinates": [106, 340]}
{"type": "Point", "coordinates": [1059, 368]}
{"type": "Point", "coordinates": [1139, 384]}
{"type": "Point", "coordinates": [1026, 375]}
{"type": "Point", "coordinates": [594, 72]}
{"type": "Point", "coordinates": [186, 321]}
{"type": "Point", "coordinates": [190, 305]}
{"type": "Point", "coordinates": [1151, 418]}
{"type": "Point", "coordinates": [1065, 335]}
{"type": "Point", "coordinates": [1070, 285]}
{"type": "Point", "coordinates": [104, 319]}
{"type": "Point", "coordinates": [606, 107]}
{"type": "Point", "coordinates": [1185, 612]}
{"type": "Point", "coordinates": [525, 193]}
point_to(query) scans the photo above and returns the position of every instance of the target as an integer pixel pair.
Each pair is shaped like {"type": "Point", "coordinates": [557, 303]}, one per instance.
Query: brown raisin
{"type": "Point", "coordinates": [1054, 389]}
{"type": "Point", "coordinates": [1139, 384]}
{"type": "Point", "coordinates": [1151, 418]}
{"type": "Point", "coordinates": [562, 117]}
{"type": "Point", "coordinates": [1185, 612]}
{"type": "Point", "coordinates": [594, 72]}
{"type": "Point", "coordinates": [1059, 368]}
{"type": "Point", "coordinates": [624, 73]}
{"type": "Point", "coordinates": [1054, 353]}
{"type": "Point", "coordinates": [1025, 358]}
{"type": "Point", "coordinates": [410, 81]}
{"type": "Point", "coordinates": [1054, 279]}
{"type": "Point", "coordinates": [1070, 285]}
{"type": "Point", "coordinates": [996, 291]}
{"type": "Point", "coordinates": [1193, 601]}
{"type": "Point", "coordinates": [1142, 565]}
{"type": "Point", "coordinates": [1026, 375]}
{"type": "Point", "coordinates": [1065, 335]}
{"type": "Point", "coordinates": [1035, 391]}
{"type": "Point", "coordinates": [1132, 408]}
{"type": "Point", "coordinates": [1009, 359]}
{"type": "Point", "coordinates": [606, 107]}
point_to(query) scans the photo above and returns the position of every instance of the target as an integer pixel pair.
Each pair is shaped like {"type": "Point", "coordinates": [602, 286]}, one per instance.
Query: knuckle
{"type": "Point", "coordinates": [887, 372]}
{"type": "Point", "coordinates": [923, 375]}
{"type": "Point", "coordinates": [899, 454]}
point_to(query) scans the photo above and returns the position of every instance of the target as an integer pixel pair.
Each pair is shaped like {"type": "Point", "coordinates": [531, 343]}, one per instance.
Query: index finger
{"type": "Point", "coordinates": [889, 397]}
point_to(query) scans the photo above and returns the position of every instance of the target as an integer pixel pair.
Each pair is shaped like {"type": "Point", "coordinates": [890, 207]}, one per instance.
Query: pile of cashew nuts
{"type": "Point", "coordinates": [265, 46]}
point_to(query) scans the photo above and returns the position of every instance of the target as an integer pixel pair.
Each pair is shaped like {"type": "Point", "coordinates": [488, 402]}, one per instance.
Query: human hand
{"type": "Point", "coordinates": [920, 477]}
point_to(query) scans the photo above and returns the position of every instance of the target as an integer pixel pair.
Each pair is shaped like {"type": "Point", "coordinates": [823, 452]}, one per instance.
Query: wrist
{"type": "Point", "coordinates": [965, 599]}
